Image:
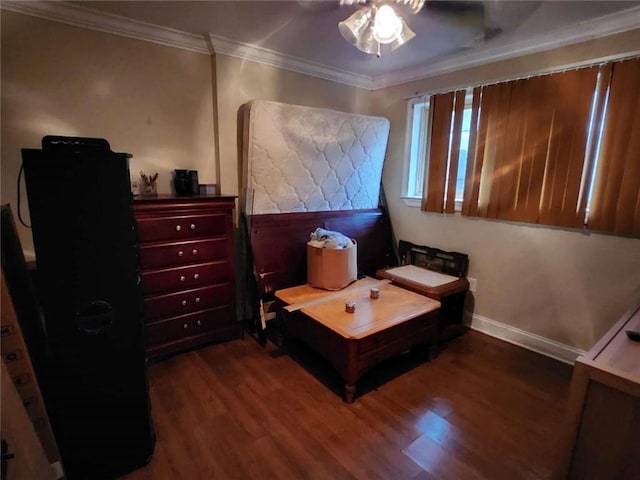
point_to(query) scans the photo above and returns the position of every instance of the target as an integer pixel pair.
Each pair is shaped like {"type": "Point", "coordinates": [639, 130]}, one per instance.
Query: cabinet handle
{"type": "Point", "coordinates": [194, 252]}
{"type": "Point", "coordinates": [196, 276]}
{"type": "Point", "coordinates": [180, 253]}
{"type": "Point", "coordinates": [10, 357]}
{"type": "Point", "coordinates": [182, 278]}
{"type": "Point", "coordinates": [185, 326]}
{"type": "Point", "coordinates": [183, 303]}
{"type": "Point", "coordinates": [199, 323]}
{"type": "Point", "coordinates": [197, 299]}
{"type": "Point", "coordinates": [178, 228]}
{"type": "Point", "coordinates": [192, 226]}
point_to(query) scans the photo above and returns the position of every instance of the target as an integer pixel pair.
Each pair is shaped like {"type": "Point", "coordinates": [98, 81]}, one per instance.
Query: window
{"type": "Point", "coordinates": [557, 149]}
{"type": "Point", "coordinates": [418, 119]}
{"type": "Point", "coordinates": [420, 124]}
{"type": "Point", "coordinates": [464, 148]}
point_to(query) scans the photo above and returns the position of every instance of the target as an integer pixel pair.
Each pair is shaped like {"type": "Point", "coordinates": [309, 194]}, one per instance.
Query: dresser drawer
{"type": "Point", "coordinates": [181, 227]}
{"type": "Point", "coordinates": [178, 328]}
{"type": "Point", "coordinates": [187, 301]}
{"type": "Point", "coordinates": [184, 278]}
{"type": "Point", "coordinates": [167, 255]}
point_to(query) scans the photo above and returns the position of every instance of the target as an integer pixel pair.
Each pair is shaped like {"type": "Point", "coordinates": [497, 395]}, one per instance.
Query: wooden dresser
{"type": "Point", "coordinates": [601, 438]}
{"type": "Point", "coordinates": [186, 257]}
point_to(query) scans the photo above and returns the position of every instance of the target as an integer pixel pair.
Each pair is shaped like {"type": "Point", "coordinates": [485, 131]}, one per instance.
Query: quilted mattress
{"type": "Point", "coordinates": [304, 159]}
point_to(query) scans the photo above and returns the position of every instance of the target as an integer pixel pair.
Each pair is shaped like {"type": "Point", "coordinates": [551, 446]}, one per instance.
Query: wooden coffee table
{"type": "Point", "coordinates": [354, 342]}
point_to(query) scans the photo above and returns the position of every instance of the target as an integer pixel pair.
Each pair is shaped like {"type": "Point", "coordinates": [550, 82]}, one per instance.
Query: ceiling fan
{"type": "Point", "coordinates": [379, 22]}
{"type": "Point", "coordinates": [376, 23]}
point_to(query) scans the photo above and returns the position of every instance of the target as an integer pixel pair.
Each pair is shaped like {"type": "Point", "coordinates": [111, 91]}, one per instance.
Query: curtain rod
{"type": "Point", "coordinates": [538, 73]}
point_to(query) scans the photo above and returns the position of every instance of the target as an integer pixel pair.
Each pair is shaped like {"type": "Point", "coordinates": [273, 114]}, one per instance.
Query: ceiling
{"type": "Point", "coordinates": [305, 31]}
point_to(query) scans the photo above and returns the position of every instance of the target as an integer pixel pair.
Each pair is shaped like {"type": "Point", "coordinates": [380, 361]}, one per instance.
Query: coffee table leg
{"type": "Point", "coordinates": [349, 392]}
{"type": "Point", "coordinates": [350, 372]}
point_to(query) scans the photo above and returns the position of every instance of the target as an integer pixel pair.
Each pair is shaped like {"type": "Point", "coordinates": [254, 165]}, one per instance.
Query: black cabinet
{"type": "Point", "coordinates": [95, 381]}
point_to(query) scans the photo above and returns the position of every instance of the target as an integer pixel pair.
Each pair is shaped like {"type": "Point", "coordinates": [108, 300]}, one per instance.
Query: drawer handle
{"type": "Point", "coordinates": [183, 303]}
{"type": "Point", "coordinates": [194, 252]}
{"type": "Point", "coordinates": [178, 228]}
{"type": "Point", "coordinates": [199, 322]}
{"type": "Point", "coordinates": [197, 299]}
{"type": "Point", "coordinates": [182, 278]}
{"type": "Point", "coordinates": [185, 326]}
{"type": "Point", "coordinates": [180, 253]}
{"type": "Point", "coordinates": [192, 226]}
{"type": "Point", "coordinates": [196, 276]}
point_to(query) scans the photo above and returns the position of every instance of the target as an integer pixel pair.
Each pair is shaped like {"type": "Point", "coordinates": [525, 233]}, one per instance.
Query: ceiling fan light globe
{"type": "Point", "coordinates": [353, 27]}
{"type": "Point", "coordinates": [386, 24]}
{"type": "Point", "coordinates": [403, 37]}
{"type": "Point", "coordinates": [367, 42]}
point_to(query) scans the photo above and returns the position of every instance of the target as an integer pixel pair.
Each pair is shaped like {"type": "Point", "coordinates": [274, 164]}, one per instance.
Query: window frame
{"type": "Point", "coordinates": [410, 198]}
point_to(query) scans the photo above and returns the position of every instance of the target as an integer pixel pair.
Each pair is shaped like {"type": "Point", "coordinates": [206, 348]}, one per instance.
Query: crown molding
{"type": "Point", "coordinates": [95, 20]}
{"type": "Point", "coordinates": [265, 56]}
{"type": "Point", "coordinates": [88, 18]}
{"type": "Point", "coordinates": [611, 24]}
{"type": "Point", "coordinates": [104, 22]}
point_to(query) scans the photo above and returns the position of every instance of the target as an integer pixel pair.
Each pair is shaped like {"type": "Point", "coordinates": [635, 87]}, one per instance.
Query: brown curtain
{"type": "Point", "coordinates": [444, 150]}
{"type": "Point", "coordinates": [615, 206]}
{"type": "Point", "coordinates": [454, 157]}
{"type": "Point", "coordinates": [529, 149]}
{"type": "Point", "coordinates": [474, 160]}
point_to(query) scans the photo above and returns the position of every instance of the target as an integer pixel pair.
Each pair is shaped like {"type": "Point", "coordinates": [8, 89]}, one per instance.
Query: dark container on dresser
{"type": "Point", "coordinates": [187, 270]}
{"type": "Point", "coordinates": [95, 373]}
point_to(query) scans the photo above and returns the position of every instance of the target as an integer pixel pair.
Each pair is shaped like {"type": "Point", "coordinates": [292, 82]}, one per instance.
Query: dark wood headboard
{"type": "Point", "coordinates": [278, 244]}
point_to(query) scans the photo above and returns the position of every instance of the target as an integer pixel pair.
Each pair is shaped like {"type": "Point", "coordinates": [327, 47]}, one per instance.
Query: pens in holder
{"type": "Point", "coordinates": [149, 185]}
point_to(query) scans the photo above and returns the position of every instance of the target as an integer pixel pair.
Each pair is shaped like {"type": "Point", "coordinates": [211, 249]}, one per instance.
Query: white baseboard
{"type": "Point", "coordinates": [522, 338]}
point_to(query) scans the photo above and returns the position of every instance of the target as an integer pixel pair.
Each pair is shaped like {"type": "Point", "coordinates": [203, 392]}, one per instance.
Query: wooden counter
{"type": "Point", "coordinates": [602, 432]}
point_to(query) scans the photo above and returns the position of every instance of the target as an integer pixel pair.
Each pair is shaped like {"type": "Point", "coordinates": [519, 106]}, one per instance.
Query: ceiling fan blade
{"type": "Point", "coordinates": [469, 14]}
{"type": "Point", "coordinates": [455, 7]}
{"type": "Point", "coordinates": [318, 5]}
{"type": "Point", "coordinates": [491, 32]}
{"type": "Point", "coordinates": [464, 15]}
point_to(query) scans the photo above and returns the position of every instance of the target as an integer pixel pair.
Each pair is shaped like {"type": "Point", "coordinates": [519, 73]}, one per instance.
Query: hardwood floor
{"type": "Point", "coordinates": [483, 409]}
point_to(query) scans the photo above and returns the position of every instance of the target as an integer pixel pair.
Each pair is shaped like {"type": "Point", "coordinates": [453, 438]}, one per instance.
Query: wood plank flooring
{"type": "Point", "coordinates": [483, 409]}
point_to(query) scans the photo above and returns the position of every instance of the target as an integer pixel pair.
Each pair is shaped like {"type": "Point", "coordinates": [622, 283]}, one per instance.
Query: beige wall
{"type": "Point", "coordinates": [161, 104]}
{"type": "Point", "coordinates": [239, 81]}
{"type": "Point", "coordinates": [152, 101]}
{"type": "Point", "coordinates": [563, 285]}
